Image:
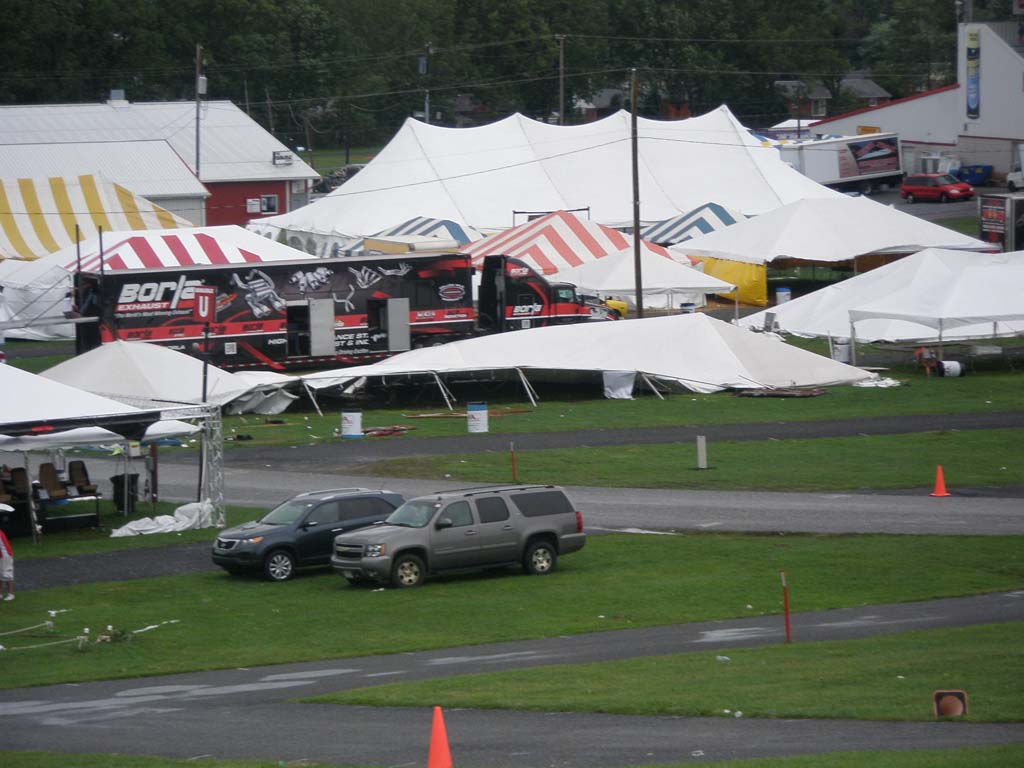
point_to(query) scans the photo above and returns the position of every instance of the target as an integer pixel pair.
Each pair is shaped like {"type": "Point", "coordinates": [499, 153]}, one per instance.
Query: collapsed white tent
{"type": "Point", "coordinates": [695, 351]}
{"type": "Point", "coordinates": [481, 176]}
{"type": "Point", "coordinates": [825, 230]}
{"type": "Point", "coordinates": [149, 375]}
{"type": "Point", "coordinates": [927, 296]}
{"type": "Point", "coordinates": [665, 282]}
{"type": "Point", "coordinates": [34, 290]}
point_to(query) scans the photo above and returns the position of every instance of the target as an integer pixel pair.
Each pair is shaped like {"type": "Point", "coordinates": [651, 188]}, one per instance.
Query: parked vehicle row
{"type": "Point", "coordinates": [941, 187]}
{"type": "Point", "coordinates": [372, 536]}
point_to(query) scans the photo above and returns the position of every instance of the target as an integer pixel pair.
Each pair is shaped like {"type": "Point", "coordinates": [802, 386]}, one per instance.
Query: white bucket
{"type": "Point", "coordinates": [841, 350]}
{"type": "Point", "coordinates": [351, 423]}
{"type": "Point", "coordinates": [950, 368]}
{"type": "Point", "coordinates": [476, 417]}
{"type": "Point", "coordinates": [782, 295]}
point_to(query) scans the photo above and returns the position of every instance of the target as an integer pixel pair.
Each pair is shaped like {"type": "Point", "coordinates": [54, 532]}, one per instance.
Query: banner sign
{"type": "Point", "coordinates": [204, 307]}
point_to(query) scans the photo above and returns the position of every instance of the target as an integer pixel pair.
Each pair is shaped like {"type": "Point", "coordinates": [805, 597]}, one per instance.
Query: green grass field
{"type": "Point", "coordinates": [617, 582]}
{"type": "Point", "coordinates": [884, 678]}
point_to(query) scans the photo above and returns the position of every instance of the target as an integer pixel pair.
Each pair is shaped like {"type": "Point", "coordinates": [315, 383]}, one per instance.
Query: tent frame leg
{"type": "Point", "coordinates": [445, 393]}
{"type": "Point", "coordinates": [530, 391]}
{"type": "Point", "coordinates": [650, 385]}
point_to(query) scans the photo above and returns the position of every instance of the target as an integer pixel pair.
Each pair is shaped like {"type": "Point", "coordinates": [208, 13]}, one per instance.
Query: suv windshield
{"type": "Point", "coordinates": [413, 514]}
{"type": "Point", "coordinates": [287, 513]}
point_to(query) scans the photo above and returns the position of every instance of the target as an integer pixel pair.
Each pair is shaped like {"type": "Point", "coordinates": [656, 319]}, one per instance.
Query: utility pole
{"type": "Point", "coordinates": [424, 67]}
{"type": "Point", "coordinates": [270, 108]}
{"type": "Point", "coordinates": [636, 200]}
{"type": "Point", "coordinates": [200, 90]}
{"type": "Point", "coordinates": [561, 78]}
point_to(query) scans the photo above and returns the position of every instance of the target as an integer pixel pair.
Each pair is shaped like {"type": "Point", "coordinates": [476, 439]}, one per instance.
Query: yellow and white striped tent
{"type": "Point", "coordinates": [40, 216]}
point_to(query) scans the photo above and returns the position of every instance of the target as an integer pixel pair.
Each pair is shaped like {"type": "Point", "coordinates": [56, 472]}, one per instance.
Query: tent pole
{"type": "Point", "coordinates": [526, 385]}
{"type": "Point", "coordinates": [853, 343]}
{"type": "Point", "coordinates": [651, 386]}
{"type": "Point", "coordinates": [313, 398]}
{"type": "Point", "coordinates": [32, 519]}
{"type": "Point", "coordinates": [736, 305]}
{"type": "Point", "coordinates": [941, 356]}
{"type": "Point", "coordinates": [444, 390]}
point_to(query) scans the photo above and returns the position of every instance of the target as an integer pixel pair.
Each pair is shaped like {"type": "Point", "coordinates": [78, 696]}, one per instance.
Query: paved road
{"type": "Point", "coordinates": [247, 713]}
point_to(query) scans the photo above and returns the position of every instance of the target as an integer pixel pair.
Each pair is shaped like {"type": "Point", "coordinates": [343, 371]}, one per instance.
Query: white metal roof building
{"type": "Point", "coordinates": [150, 169]}
{"type": "Point", "coordinates": [239, 161]}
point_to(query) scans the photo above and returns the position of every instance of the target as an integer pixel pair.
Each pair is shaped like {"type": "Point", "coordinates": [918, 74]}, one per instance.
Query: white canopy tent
{"type": "Point", "coordinates": [149, 375]}
{"type": "Point", "coordinates": [926, 297]}
{"type": "Point", "coordinates": [666, 282]}
{"type": "Point", "coordinates": [692, 351]}
{"type": "Point", "coordinates": [481, 176]}
{"type": "Point", "coordinates": [826, 230]}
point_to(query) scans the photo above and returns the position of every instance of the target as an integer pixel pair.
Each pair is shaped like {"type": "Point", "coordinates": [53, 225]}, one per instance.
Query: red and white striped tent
{"type": "Point", "coordinates": [557, 241]}
{"type": "Point", "coordinates": [34, 290]}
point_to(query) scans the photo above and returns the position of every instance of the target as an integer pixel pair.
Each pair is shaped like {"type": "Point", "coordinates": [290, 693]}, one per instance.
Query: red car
{"type": "Point", "coordinates": [934, 186]}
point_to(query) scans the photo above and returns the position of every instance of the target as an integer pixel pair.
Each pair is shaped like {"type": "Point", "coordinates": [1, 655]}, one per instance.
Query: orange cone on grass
{"type": "Point", "coordinates": [940, 482]}
{"type": "Point", "coordinates": [439, 756]}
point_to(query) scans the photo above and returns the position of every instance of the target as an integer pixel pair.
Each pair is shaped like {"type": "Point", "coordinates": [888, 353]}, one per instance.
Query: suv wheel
{"type": "Point", "coordinates": [279, 566]}
{"type": "Point", "coordinates": [540, 558]}
{"type": "Point", "coordinates": [408, 571]}
{"type": "Point", "coordinates": [943, 198]}
{"type": "Point", "coordinates": [1011, 186]}
{"type": "Point", "coordinates": [910, 197]}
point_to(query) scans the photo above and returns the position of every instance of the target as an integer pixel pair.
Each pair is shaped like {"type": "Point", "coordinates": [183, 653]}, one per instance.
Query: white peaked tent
{"type": "Point", "coordinates": [148, 375]}
{"type": "Point", "coordinates": [35, 290]}
{"type": "Point", "coordinates": [693, 351]}
{"type": "Point", "coordinates": [829, 230]}
{"type": "Point", "coordinates": [481, 176]}
{"type": "Point", "coordinates": [928, 296]}
{"type": "Point", "coordinates": [666, 282]}
{"type": "Point", "coordinates": [38, 413]}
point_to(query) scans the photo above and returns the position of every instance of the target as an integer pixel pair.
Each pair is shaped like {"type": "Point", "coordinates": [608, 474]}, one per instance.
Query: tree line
{"type": "Point", "coordinates": [344, 72]}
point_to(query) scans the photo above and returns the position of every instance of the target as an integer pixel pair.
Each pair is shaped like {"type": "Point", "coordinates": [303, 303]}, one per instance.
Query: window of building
{"type": "Point", "coordinates": [268, 204]}
{"type": "Point", "coordinates": [818, 107]}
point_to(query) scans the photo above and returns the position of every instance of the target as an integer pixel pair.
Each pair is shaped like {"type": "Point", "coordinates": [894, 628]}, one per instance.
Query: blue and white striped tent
{"type": "Point", "coordinates": [709, 217]}
{"type": "Point", "coordinates": [428, 227]}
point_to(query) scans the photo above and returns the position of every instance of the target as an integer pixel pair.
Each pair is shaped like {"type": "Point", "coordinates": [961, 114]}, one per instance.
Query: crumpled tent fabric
{"type": "Point", "coordinates": [149, 375]}
{"type": "Point", "coordinates": [695, 351]}
{"type": "Point", "coordinates": [482, 175]}
{"type": "Point", "coordinates": [198, 514]}
{"type": "Point", "coordinates": [967, 295]}
{"type": "Point", "coordinates": [40, 215]}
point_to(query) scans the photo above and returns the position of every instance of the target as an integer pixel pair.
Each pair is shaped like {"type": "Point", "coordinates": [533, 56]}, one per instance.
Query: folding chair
{"type": "Point", "coordinates": [21, 488]}
{"type": "Point", "coordinates": [78, 475]}
{"type": "Point", "coordinates": [50, 482]}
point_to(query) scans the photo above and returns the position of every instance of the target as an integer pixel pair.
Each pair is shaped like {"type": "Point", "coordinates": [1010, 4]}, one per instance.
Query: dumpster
{"type": "Point", "coordinates": [133, 491]}
{"type": "Point", "coordinates": [976, 175]}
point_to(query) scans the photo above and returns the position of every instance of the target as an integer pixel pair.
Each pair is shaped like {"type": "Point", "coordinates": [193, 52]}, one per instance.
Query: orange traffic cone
{"type": "Point", "coordinates": [439, 756]}
{"type": "Point", "coordinates": [940, 482]}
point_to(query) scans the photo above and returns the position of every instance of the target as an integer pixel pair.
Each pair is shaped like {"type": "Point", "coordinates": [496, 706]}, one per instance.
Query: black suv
{"type": "Point", "coordinates": [300, 531]}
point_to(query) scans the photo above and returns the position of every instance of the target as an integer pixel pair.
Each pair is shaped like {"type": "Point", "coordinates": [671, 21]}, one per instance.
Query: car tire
{"type": "Point", "coordinates": [279, 565]}
{"type": "Point", "coordinates": [1011, 186]}
{"type": "Point", "coordinates": [943, 198]}
{"type": "Point", "coordinates": [540, 558]}
{"type": "Point", "coordinates": [910, 197]}
{"type": "Point", "coordinates": [356, 581]}
{"type": "Point", "coordinates": [408, 571]}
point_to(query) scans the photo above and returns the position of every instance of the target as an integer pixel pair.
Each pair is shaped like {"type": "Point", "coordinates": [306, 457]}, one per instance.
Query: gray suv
{"type": "Point", "coordinates": [300, 531]}
{"type": "Point", "coordinates": [462, 530]}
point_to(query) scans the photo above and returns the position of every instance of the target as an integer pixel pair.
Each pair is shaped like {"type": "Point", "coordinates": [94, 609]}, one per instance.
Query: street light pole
{"type": "Point", "coordinates": [636, 202]}
{"type": "Point", "coordinates": [200, 90]}
{"type": "Point", "coordinates": [561, 78]}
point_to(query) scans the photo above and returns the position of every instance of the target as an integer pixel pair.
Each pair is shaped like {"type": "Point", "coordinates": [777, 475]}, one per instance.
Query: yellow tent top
{"type": "Point", "coordinates": [41, 216]}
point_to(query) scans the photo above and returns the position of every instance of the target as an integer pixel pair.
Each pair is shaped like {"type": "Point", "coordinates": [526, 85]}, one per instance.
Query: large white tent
{"type": "Point", "coordinates": [826, 230]}
{"type": "Point", "coordinates": [482, 176]}
{"type": "Point", "coordinates": [666, 283]}
{"type": "Point", "coordinates": [930, 295]}
{"type": "Point", "coordinates": [149, 375]}
{"type": "Point", "coordinates": [35, 290]}
{"type": "Point", "coordinates": [693, 351]}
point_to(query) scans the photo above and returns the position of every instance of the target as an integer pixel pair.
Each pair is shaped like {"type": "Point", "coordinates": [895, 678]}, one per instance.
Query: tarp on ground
{"type": "Point", "coordinates": [483, 175]}
{"type": "Point", "coordinates": [830, 230]}
{"type": "Point", "coordinates": [666, 282]}
{"type": "Point", "coordinates": [149, 375]}
{"type": "Point", "coordinates": [556, 241]}
{"type": "Point", "coordinates": [695, 351]}
{"type": "Point", "coordinates": [36, 289]}
{"type": "Point", "coordinates": [966, 295]}
{"type": "Point", "coordinates": [702, 220]}
{"type": "Point", "coordinates": [39, 216]}
{"type": "Point", "coordinates": [35, 406]}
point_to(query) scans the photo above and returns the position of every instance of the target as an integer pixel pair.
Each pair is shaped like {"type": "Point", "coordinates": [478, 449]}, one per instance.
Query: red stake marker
{"type": "Point", "coordinates": [512, 453]}
{"type": "Point", "coordinates": [785, 605]}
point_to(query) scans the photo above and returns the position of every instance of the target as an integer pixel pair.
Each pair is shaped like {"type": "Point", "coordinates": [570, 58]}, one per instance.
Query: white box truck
{"type": "Point", "coordinates": [849, 163]}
